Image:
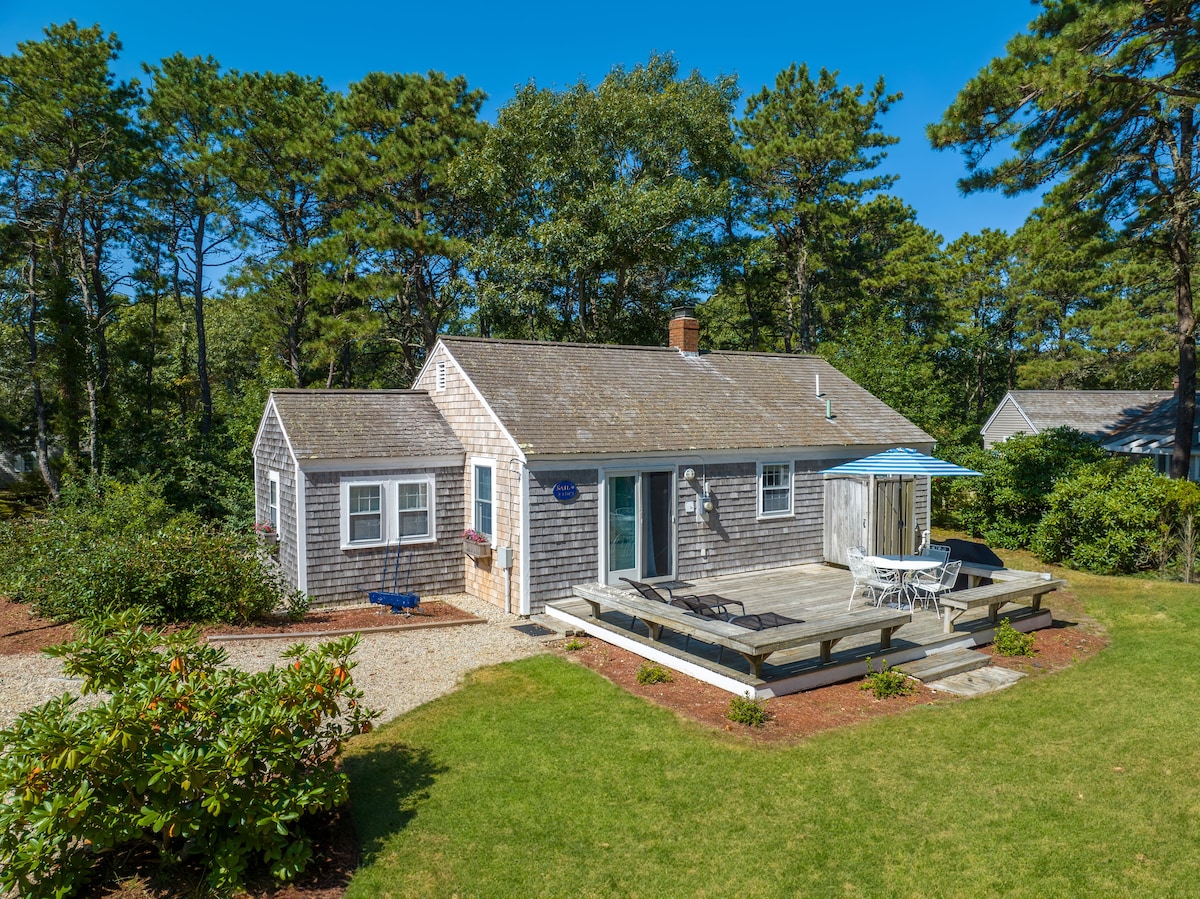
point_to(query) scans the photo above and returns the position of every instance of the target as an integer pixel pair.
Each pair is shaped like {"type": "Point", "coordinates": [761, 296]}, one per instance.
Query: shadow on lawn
{"type": "Point", "coordinates": [387, 785]}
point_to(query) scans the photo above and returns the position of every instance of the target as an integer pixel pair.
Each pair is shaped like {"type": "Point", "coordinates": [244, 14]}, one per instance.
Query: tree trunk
{"type": "Point", "coordinates": [804, 294]}
{"type": "Point", "coordinates": [1181, 271]}
{"type": "Point", "coordinates": [41, 415]}
{"type": "Point", "coordinates": [1185, 417]}
{"type": "Point", "coordinates": [201, 338]}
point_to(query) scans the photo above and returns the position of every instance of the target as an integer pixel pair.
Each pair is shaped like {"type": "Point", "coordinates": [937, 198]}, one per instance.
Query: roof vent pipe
{"type": "Point", "coordinates": [818, 385]}
{"type": "Point", "coordinates": [829, 410]}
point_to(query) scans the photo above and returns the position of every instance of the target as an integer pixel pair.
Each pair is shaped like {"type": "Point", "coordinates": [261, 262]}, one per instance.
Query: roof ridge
{"type": "Point", "coordinates": [621, 346]}
{"type": "Point", "coordinates": [343, 391]}
{"type": "Point", "coordinates": [1088, 390]}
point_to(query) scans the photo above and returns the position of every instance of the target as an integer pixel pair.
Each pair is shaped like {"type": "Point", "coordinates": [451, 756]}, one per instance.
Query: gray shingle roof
{"type": "Point", "coordinates": [1157, 424]}
{"type": "Point", "coordinates": [1096, 412]}
{"type": "Point", "coordinates": [563, 398]}
{"type": "Point", "coordinates": [363, 424]}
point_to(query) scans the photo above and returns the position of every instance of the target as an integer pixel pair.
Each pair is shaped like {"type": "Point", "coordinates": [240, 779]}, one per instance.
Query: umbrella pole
{"type": "Point", "coordinates": [871, 535]}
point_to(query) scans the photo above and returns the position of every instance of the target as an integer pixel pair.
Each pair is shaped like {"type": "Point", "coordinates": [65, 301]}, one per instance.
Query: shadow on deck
{"type": "Point", "coordinates": [809, 592]}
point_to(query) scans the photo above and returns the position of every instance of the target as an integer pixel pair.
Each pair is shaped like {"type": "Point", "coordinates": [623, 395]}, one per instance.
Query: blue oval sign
{"type": "Point", "coordinates": [565, 491]}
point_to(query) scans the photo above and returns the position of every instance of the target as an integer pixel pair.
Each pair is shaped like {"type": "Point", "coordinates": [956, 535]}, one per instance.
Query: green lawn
{"type": "Point", "coordinates": [542, 779]}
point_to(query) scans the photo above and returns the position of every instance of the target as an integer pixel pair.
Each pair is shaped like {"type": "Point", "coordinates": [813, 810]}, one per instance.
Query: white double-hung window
{"type": "Point", "coordinates": [379, 511]}
{"type": "Point", "coordinates": [774, 489]}
{"type": "Point", "coordinates": [414, 510]}
{"type": "Point", "coordinates": [483, 481]}
{"type": "Point", "coordinates": [365, 513]}
{"type": "Point", "coordinates": [273, 502]}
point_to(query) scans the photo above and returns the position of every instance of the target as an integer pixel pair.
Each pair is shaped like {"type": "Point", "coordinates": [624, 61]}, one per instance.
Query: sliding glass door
{"type": "Point", "coordinates": [639, 523]}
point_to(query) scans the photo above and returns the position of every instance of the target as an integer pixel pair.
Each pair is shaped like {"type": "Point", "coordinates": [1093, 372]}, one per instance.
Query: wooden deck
{"type": "Point", "coordinates": [808, 592]}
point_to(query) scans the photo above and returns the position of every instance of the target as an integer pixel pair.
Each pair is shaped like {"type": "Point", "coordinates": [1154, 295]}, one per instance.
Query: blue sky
{"type": "Point", "coordinates": [927, 50]}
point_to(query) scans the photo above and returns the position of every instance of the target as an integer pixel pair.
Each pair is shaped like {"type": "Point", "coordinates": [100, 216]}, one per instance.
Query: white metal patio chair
{"type": "Point", "coordinates": [934, 587]}
{"type": "Point", "coordinates": [936, 551]}
{"type": "Point", "coordinates": [878, 584]}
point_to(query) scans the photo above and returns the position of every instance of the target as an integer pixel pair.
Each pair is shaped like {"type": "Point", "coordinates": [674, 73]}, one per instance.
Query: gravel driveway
{"type": "Point", "coordinates": [397, 671]}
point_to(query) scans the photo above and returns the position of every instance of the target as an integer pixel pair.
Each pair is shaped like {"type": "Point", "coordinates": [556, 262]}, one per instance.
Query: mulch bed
{"type": "Point", "coordinates": [21, 631]}
{"type": "Point", "coordinates": [360, 619]}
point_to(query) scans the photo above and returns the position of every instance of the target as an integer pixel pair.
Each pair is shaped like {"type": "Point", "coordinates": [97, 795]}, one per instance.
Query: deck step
{"type": "Point", "coordinates": [943, 664]}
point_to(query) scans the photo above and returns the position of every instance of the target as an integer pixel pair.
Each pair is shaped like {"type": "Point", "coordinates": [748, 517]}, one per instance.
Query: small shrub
{"type": "Point", "coordinates": [186, 757]}
{"type": "Point", "coordinates": [886, 682]}
{"type": "Point", "coordinates": [296, 605]}
{"type": "Point", "coordinates": [575, 644]}
{"type": "Point", "coordinates": [653, 674]}
{"type": "Point", "coordinates": [1011, 642]}
{"type": "Point", "coordinates": [747, 710]}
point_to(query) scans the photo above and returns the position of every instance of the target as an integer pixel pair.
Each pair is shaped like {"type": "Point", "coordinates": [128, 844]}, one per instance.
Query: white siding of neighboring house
{"type": "Point", "coordinates": [1006, 421]}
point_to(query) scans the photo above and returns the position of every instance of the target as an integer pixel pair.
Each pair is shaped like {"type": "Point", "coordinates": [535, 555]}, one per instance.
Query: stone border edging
{"type": "Point", "coordinates": [303, 635]}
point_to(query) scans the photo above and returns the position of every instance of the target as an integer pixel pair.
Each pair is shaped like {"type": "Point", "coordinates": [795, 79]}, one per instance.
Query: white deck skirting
{"type": "Point", "coordinates": [809, 680]}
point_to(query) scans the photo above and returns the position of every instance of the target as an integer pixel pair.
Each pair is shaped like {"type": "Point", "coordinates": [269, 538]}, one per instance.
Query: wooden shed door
{"type": "Point", "coordinates": [845, 517]}
{"type": "Point", "coordinates": [893, 516]}
{"type": "Point", "coordinates": [882, 528]}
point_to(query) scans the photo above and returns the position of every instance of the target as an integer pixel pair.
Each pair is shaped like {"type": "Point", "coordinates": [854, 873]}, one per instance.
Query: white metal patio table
{"type": "Point", "coordinates": [906, 567]}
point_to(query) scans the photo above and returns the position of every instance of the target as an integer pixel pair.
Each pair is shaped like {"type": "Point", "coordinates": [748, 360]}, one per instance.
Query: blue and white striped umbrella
{"type": "Point", "coordinates": [902, 461]}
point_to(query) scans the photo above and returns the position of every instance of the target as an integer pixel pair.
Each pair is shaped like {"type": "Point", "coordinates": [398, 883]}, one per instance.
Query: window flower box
{"type": "Point", "coordinates": [268, 540]}
{"type": "Point", "coordinates": [477, 546]}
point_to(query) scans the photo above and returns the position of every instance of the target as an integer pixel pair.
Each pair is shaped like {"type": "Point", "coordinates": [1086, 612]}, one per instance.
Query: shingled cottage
{"type": "Point", "coordinates": [578, 463]}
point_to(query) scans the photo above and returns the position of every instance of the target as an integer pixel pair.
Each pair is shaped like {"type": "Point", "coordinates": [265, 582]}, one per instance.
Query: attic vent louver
{"type": "Point", "coordinates": [441, 376]}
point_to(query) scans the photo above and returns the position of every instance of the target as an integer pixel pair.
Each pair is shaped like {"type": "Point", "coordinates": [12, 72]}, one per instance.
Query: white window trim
{"type": "Point", "coordinates": [430, 483]}
{"type": "Point", "coordinates": [389, 505]}
{"type": "Point", "coordinates": [273, 481]}
{"type": "Point", "coordinates": [484, 462]}
{"type": "Point", "coordinates": [758, 489]}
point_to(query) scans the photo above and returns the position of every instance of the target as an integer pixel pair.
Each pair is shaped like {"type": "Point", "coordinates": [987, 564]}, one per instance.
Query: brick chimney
{"type": "Point", "coordinates": [684, 334]}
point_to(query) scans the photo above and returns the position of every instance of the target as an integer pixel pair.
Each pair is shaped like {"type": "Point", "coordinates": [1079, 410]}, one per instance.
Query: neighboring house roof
{"type": "Point", "coordinates": [1098, 413]}
{"type": "Point", "coordinates": [571, 398]}
{"type": "Point", "coordinates": [363, 424]}
{"type": "Point", "coordinates": [1153, 432]}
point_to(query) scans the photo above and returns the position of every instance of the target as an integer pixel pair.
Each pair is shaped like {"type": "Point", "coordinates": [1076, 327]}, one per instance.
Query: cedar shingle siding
{"type": "Point", "coordinates": [563, 536]}
{"type": "Point", "coordinates": [350, 433]}
{"type": "Point", "coordinates": [734, 538]}
{"type": "Point", "coordinates": [481, 437]}
{"type": "Point", "coordinates": [271, 454]}
{"type": "Point", "coordinates": [335, 575]}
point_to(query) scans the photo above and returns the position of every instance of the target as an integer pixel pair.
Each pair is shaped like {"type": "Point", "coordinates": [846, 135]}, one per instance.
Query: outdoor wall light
{"type": "Point", "coordinates": [689, 474]}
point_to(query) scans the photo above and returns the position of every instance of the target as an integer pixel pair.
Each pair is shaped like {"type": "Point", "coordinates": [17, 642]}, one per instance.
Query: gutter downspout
{"type": "Point", "coordinates": [525, 604]}
{"type": "Point", "coordinates": [301, 531]}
